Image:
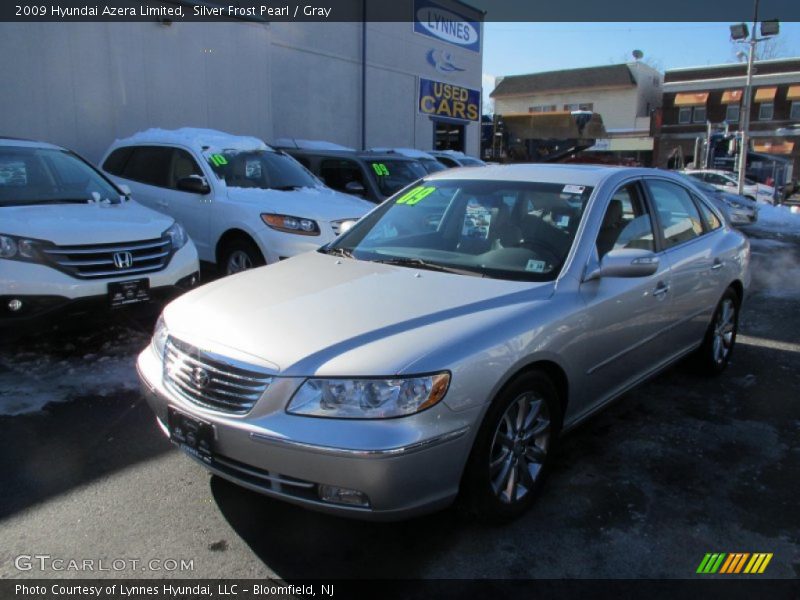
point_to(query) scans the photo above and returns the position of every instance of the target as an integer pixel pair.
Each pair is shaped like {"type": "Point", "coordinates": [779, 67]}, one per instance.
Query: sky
{"type": "Point", "coordinates": [517, 48]}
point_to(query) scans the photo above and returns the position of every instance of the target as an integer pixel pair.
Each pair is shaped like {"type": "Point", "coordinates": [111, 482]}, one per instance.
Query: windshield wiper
{"type": "Point", "coordinates": [337, 252]}
{"type": "Point", "coordinates": [421, 264]}
{"type": "Point", "coordinates": [57, 201]}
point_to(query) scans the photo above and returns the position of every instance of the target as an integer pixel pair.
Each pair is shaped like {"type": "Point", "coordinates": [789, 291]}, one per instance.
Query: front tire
{"type": "Point", "coordinates": [513, 449]}
{"type": "Point", "coordinates": [240, 255]}
{"type": "Point", "coordinates": [715, 353]}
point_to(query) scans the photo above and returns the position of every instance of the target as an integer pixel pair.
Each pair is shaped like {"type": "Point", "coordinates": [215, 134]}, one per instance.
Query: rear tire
{"type": "Point", "coordinates": [715, 353]}
{"type": "Point", "coordinates": [513, 449]}
{"type": "Point", "coordinates": [240, 255]}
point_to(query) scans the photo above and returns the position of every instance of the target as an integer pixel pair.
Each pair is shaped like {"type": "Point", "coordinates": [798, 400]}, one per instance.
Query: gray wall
{"type": "Point", "coordinates": [82, 85]}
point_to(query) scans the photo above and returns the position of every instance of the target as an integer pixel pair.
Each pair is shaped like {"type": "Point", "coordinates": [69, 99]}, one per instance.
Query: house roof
{"type": "Point", "coordinates": [569, 79]}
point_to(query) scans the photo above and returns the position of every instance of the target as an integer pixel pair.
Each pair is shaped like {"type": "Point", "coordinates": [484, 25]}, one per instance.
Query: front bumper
{"type": "Point", "coordinates": [405, 467]}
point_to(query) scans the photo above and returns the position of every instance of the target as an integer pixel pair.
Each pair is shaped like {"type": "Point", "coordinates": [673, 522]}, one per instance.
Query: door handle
{"type": "Point", "coordinates": [660, 290]}
{"type": "Point", "coordinates": [717, 264]}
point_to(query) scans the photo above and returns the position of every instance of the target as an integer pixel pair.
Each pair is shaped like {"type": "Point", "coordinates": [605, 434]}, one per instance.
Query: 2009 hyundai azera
{"type": "Point", "coordinates": [442, 344]}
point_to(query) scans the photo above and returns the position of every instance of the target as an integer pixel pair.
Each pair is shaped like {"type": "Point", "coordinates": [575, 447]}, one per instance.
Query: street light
{"type": "Point", "coordinates": [739, 34]}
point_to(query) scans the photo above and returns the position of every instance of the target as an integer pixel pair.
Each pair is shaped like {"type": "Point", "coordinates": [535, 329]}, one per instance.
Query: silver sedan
{"type": "Point", "coordinates": [441, 346]}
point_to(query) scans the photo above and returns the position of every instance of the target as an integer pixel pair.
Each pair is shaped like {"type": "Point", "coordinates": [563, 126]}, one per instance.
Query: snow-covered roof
{"type": "Point", "coordinates": [201, 140]}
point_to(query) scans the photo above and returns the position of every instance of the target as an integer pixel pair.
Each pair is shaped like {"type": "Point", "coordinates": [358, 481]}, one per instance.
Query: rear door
{"type": "Point", "coordinates": [689, 248]}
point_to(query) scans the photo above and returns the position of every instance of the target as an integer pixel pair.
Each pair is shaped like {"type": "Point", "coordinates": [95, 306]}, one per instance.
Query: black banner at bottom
{"type": "Point", "coordinates": [729, 588]}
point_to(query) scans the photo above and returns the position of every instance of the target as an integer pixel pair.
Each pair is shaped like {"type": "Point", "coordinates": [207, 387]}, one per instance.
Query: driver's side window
{"type": "Point", "coordinates": [626, 223]}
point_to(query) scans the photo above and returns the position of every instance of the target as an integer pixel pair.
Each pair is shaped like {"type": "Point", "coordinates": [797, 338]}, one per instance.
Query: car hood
{"type": "Point", "coordinates": [78, 224]}
{"type": "Point", "coordinates": [318, 314]}
{"type": "Point", "coordinates": [317, 203]}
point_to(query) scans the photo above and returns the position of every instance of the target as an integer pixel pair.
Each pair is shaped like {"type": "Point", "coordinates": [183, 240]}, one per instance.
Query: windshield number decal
{"type": "Point", "coordinates": [218, 160]}
{"type": "Point", "coordinates": [380, 169]}
{"type": "Point", "coordinates": [412, 197]}
{"type": "Point", "coordinates": [536, 266]}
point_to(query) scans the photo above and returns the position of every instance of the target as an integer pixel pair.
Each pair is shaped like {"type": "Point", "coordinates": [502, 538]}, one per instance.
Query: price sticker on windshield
{"type": "Point", "coordinates": [573, 189]}
{"type": "Point", "coordinates": [412, 197]}
{"type": "Point", "coordinates": [380, 169]}
{"type": "Point", "coordinates": [218, 160]}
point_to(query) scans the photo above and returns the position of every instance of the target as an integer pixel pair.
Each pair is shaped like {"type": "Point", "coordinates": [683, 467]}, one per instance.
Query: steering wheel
{"type": "Point", "coordinates": [542, 250]}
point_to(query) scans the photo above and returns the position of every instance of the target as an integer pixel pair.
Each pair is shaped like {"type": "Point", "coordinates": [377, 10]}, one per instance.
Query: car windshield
{"type": "Point", "coordinates": [393, 175]}
{"type": "Point", "coordinates": [506, 230]}
{"type": "Point", "coordinates": [265, 169]}
{"type": "Point", "coordinates": [431, 165]}
{"type": "Point", "coordinates": [471, 162]}
{"type": "Point", "coordinates": [50, 176]}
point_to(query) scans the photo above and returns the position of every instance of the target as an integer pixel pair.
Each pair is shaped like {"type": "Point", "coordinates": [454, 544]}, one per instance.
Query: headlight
{"type": "Point", "coordinates": [160, 336]}
{"type": "Point", "coordinates": [291, 224]}
{"type": "Point", "coordinates": [17, 248]}
{"type": "Point", "coordinates": [177, 236]}
{"type": "Point", "coordinates": [368, 398]}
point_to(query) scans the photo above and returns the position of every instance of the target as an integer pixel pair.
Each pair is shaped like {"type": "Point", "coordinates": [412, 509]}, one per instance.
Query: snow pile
{"type": "Point", "coordinates": [34, 377]}
{"type": "Point", "coordinates": [201, 140]}
{"type": "Point", "coordinates": [775, 268]}
{"type": "Point", "coordinates": [778, 218]}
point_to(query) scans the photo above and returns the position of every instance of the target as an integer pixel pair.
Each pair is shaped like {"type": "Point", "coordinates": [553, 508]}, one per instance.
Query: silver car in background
{"type": "Point", "coordinates": [441, 346]}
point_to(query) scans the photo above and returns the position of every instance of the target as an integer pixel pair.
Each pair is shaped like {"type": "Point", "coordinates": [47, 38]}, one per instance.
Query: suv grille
{"type": "Point", "coordinates": [210, 381]}
{"type": "Point", "coordinates": [110, 260]}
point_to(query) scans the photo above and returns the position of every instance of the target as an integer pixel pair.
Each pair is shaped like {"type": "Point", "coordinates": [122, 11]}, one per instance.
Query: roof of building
{"type": "Point", "coordinates": [762, 67]}
{"type": "Point", "coordinates": [568, 79]}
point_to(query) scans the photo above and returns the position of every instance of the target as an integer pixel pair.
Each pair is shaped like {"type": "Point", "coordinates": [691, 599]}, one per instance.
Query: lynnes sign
{"type": "Point", "coordinates": [434, 21]}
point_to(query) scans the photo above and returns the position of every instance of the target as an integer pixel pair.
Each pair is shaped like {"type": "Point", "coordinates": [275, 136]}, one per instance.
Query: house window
{"type": "Point", "coordinates": [765, 111]}
{"type": "Point", "coordinates": [699, 115]}
{"type": "Point", "coordinates": [540, 108]}
{"type": "Point", "coordinates": [579, 106]}
{"type": "Point", "coordinates": [732, 113]}
{"type": "Point", "coordinates": [794, 113]}
{"type": "Point", "coordinates": [685, 115]}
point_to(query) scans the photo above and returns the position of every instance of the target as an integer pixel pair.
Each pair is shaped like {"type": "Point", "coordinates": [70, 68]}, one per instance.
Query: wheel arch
{"type": "Point", "coordinates": [234, 233]}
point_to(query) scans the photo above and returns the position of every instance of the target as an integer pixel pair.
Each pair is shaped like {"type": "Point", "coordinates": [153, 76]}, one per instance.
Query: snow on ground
{"type": "Point", "coordinates": [33, 376]}
{"type": "Point", "coordinates": [775, 268]}
{"type": "Point", "coordinates": [778, 218]}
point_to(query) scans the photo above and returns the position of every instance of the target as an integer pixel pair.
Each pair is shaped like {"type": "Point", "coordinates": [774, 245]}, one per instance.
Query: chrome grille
{"type": "Point", "coordinates": [210, 381]}
{"type": "Point", "coordinates": [337, 225]}
{"type": "Point", "coordinates": [110, 260]}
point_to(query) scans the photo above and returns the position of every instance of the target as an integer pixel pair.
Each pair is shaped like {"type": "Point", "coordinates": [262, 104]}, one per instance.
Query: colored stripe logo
{"type": "Point", "coordinates": [734, 563]}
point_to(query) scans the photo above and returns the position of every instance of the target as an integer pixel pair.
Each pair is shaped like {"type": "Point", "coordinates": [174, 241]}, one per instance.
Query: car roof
{"type": "Point", "coordinates": [199, 139]}
{"type": "Point", "coordinates": [362, 154]}
{"type": "Point", "coordinates": [409, 152]}
{"type": "Point", "coordinates": [14, 142]}
{"type": "Point", "coordinates": [577, 174]}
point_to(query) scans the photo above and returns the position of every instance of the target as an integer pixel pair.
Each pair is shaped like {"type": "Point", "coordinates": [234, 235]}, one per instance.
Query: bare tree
{"type": "Point", "coordinates": [770, 48]}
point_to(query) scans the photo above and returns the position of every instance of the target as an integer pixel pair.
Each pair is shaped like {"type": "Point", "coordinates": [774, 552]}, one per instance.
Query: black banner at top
{"type": "Point", "coordinates": [394, 10]}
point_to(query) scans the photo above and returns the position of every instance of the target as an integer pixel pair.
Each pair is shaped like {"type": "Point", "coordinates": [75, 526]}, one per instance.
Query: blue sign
{"type": "Point", "coordinates": [443, 24]}
{"type": "Point", "coordinates": [439, 99]}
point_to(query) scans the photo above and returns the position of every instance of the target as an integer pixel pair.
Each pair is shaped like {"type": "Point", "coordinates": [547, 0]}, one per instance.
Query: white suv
{"type": "Point", "coordinates": [69, 237]}
{"type": "Point", "coordinates": [243, 203]}
{"type": "Point", "coordinates": [728, 181]}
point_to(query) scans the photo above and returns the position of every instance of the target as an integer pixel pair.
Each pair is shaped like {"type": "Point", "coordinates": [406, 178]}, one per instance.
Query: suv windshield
{"type": "Point", "coordinates": [265, 169]}
{"type": "Point", "coordinates": [393, 175]}
{"type": "Point", "coordinates": [49, 176]}
{"type": "Point", "coordinates": [500, 229]}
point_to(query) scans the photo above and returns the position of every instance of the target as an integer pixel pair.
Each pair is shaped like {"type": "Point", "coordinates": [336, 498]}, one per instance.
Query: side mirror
{"type": "Point", "coordinates": [625, 262]}
{"type": "Point", "coordinates": [355, 187]}
{"type": "Point", "coordinates": [194, 184]}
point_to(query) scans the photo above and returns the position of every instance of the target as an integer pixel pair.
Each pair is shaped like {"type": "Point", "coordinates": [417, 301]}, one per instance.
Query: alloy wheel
{"type": "Point", "coordinates": [238, 261]}
{"type": "Point", "coordinates": [724, 330]}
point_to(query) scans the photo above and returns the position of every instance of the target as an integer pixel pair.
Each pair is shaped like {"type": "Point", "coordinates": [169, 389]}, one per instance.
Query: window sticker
{"type": "Point", "coordinates": [413, 196]}
{"type": "Point", "coordinates": [380, 169]}
{"type": "Point", "coordinates": [218, 160]}
{"type": "Point", "coordinates": [536, 266]}
{"type": "Point", "coordinates": [252, 169]}
{"type": "Point", "coordinates": [573, 189]}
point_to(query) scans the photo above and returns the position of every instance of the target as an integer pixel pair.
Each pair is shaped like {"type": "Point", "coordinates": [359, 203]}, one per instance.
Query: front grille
{"type": "Point", "coordinates": [210, 381]}
{"type": "Point", "coordinates": [337, 225]}
{"type": "Point", "coordinates": [110, 260]}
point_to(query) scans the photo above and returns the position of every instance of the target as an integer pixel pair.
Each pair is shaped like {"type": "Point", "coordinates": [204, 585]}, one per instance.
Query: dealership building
{"type": "Point", "coordinates": [398, 84]}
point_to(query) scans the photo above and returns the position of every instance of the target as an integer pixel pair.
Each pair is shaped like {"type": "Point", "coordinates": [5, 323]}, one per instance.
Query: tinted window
{"type": "Point", "coordinates": [709, 218]}
{"type": "Point", "coordinates": [393, 175]}
{"type": "Point", "coordinates": [115, 163]}
{"type": "Point", "coordinates": [677, 214]}
{"type": "Point", "coordinates": [337, 173]}
{"type": "Point", "coordinates": [626, 223]}
{"type": "Point", "coordinates": [260, 168]}
{"type": "Point", "coordinates": [149, 164]}
{"type": "Point", "coordinates": [183, 165]}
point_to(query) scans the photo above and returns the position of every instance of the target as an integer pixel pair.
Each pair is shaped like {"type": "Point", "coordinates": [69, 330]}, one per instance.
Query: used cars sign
{"type": "Point", "coordinates": [432, 20]}
{"type": "Point", "coordinates": [447, 100]}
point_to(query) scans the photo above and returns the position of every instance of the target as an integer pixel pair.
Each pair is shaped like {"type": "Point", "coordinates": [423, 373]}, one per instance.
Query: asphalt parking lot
{"type": "Point", "coordinates": [680, 467]}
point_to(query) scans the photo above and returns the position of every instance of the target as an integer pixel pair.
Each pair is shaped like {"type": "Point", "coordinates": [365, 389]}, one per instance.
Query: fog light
{"type": "Point", "coordinates": [15, 304]}
{"type": "Point", "coordinates": [339, 495]}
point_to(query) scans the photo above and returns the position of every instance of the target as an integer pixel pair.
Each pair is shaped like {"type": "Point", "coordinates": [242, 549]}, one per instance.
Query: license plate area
{"type": "Point", "coordinates": [193, 435]}
{"type": "Point", "coordinates": [122, 293]}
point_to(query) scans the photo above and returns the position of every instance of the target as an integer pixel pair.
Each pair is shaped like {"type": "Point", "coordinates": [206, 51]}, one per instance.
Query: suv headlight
{"type": "Point", "coordinates": [160, 336]}
{"type": "Point", "coordinates": [15, 248]}
{"type": "Point", "coordinates": [177, 236]}
{"type": "Point", "coordinates": [290, 224]}
{"type": "Point", "coordinates": [368, 398]}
